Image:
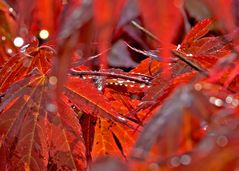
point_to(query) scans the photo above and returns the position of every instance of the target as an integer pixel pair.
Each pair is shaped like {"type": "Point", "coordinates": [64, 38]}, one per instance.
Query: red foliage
{"type": "Point", "coordinates": [69, 101]}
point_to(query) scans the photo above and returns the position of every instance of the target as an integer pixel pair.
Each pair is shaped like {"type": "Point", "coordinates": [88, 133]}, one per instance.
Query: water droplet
{"type": "Point", "coordinates": [185, 159]}
{"type": "Point", "coordinates": [205, 127]}
{"type": "Point", "coordinates": [178, 47]}
{"type": "Point", "coordinates": [18, 41]}
{"type": "Point", "coordinates": [11, 10]}
{"type": "Point", "coordinates": [44, 34]}
{"type": "Point", "coordinates": [218, 102]}
{"type": "Point", "coordinates": [89, 77]}
{"type": "Point", "coordinates": [235, 102]}
{"type": "Point", "coordinates": [3, 38]}
{"type": "Point", "coordinates": [229, 99]}
{"type": "Point", "coordinates": [131, 85]}
{"type": "Point", "coordinates": [189, 54]}
{"type": "Point", "coordinates": [174, 162]}
{"type": "Point", "coordinates": [51, 107]}
{"type": "Point", "coordinates": [198, 87]}
{"type": "Point", "coordinates": [121, 118]}
{"type": "Point", "coordinates": [9, 51]}
{"type": "Point", "coordinates": [142, 86]}
{"type": "Point", "coordinates": [212, 99]}
{"type": "Point", "coordinates": [83, 77]}
{"type": "Point", "coordinates": [222, 141]}
{"type": "Point", "coordinates": [53, 80]}
{"type": "Point", "coordinates": [100, 87]}
{"type": "Point", "coordinates": [120, 81]}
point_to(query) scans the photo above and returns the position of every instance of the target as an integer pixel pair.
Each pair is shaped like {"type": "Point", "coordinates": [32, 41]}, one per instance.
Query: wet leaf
{"type": "Point", "coordinates": [166, 125]}
{"type": "Point", "coordinates": [38, 135]}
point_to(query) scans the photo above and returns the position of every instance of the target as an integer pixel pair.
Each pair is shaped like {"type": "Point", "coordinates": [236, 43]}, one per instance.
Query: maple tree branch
{"type": "Point", "coordinates": [112, 75]}
{"type": "Point", "coordinates": [147, 32]}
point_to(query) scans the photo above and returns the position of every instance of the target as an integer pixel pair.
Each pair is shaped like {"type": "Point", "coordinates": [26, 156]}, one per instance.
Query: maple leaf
{"type": "Point", "coordinates": [22, 64]}
{"type": "Point", "coordinates": [205, 51]}
{"type": "Point", "coordinates": [44, 105]}
{"type": "Point", "coordinates": [112, 139]}
{"type": "Point", "coordinates": [38, 135]}
{"type": "Point", "coordinates": [184, 103]}
{"type": "Point", "coordinates": [91, 101]}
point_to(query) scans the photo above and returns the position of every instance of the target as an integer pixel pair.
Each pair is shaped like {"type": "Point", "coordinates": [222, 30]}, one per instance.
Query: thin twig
{"type": "Point", "coordinates": [77, 63]}
{"type": "Point", "coordinates": [110, 74]}
{"type": "Point", "coordinates": [147, 32]}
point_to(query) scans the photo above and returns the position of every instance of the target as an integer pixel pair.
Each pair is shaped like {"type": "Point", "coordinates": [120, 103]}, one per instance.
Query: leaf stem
{"type": "Point", "coordinates": [112, 75]}
{"type": "Point", "coordinates": [147, 32]}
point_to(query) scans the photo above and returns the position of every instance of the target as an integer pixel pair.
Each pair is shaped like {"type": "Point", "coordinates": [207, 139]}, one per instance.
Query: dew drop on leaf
{"type": "Point", "coordinates": [235, 102]}
{"type": "Point", "coordinates": [3, 38]}
{"type": "Point", "coordinates": [185, 159]}
{"type": "Point", "coordinates": [142, 85]}
{"type": "Point", "coordinates": [9, 51]}
{"type": "Point", "coordinates": [229, 99]}
{"type": "Point", "coordinates": [198, 87]}
{"type": "Point", "coordinates": [174, 161]}
{"type": "Point", "coordinates": [189, 54]}
{"type": "Point", "coordinates": [11, 10]}
{"type": "Point", "coordinates": [51, 107]}
{"type": "Point", "coordinates": [53, 80]}
{"type": "Point", "coordinates": [222, 141]}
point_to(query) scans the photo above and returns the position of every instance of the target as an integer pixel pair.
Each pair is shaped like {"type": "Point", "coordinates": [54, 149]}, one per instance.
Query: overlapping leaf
{"type": "Point", "coordinates": [37, 112]}
{"type": "Point", "coordinates": [90, 100]}
{"type": "Point", "coordinates": [35, 135]}
{"type": "Point", "coordinates": [167, 124]}
{"type": "Point", "coordinates": [205, 51]}
{"type": "Point", "coordinates": [112, 139]}
{"type": "Point", "coordinates": [22, 64]}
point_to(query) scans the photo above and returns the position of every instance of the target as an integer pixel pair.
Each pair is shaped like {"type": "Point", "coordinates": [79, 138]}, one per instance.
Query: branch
{"type": "Point", "coordinates": [112, 75]}
{"type": "Point", "coordinates": [147, 32]}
